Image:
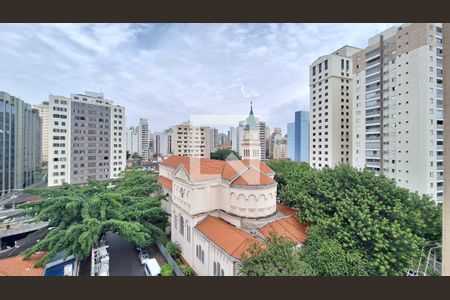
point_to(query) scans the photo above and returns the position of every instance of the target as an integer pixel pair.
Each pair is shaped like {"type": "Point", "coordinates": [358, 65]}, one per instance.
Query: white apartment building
{"type": "Point", "coordinates": [190, 140]}
{"type": "Point", "coordinates": [132, 140]}
{"type": "Point", "coordinates": [398, 107]}
{"type": "Point", "coordinates": [44, 115]}
{"type": "Point", "coordinates": [161, 143]}
{"type": "Point", "coordinates": [143, 138]}
{"type": "Point", "coordinates": [86, 139]}
{"type": "Point", "coordinates": [331, 108]}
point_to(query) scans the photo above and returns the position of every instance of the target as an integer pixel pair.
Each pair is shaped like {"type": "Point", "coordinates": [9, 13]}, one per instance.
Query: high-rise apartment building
{"type": "Point", "coordinates": [132, 140]}
{"type": "Point", "coordinates": [213, 138]}
{"type": "Point", "coordinates": [161, 143]}
{"type": "Point", "coordinates": [19, 139]}
{"type": "Point", "coordinates": [190, 140]}
{"type": "Point", "coordinates": [291, 140]}
{"type": "Point", "coordinates": [44, 115]}
{"type": "Point", "coordinates": [263, 139]}
{"type": "Point", "coordinates": [87, 139]}
{"type": "Point", "coordinates": [143, 138]}
{"type": "Point", "coordinates": [398, 107]}
{"type": "Point", "coordinates": [331, 108]}
{"type": "Point", "coordinates": [279, 144]}
{"type": "Point", "coordinates": [300, 137]}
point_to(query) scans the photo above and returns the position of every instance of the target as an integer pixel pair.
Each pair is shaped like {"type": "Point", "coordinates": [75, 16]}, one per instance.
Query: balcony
{"type": "Point", "coordinates": [440, 136]}
{"type": "Point", "coordinates": [373, 113]}
{"type": "Point", "coordinates": [373, 121]}
{"type": "Point", "coordinates": [373, 129]}
{"type": "Point", "coordinates": [372, 54]}
{"type": "Point", "coordinates": [439, 73]}
{"type": "Point", "coordinates": [440, 147]}
{"type": "Point", "coordinates": [440, 157]}
{"type": "Point", "coordinates": [372, 146]}
{"type": "Point", "coordinates": [372, 71]}
{"type": "Point", "coordinates": [439, 177]}
{"type": "Point", "coordinates": [373, 138]}
{"type": "Point", "coordinates": [440, 127]}
{"type": "Point", "coordinates": [373, 64]}
{"type": "Point", "coordinates": [440, 188]}
{"type": "Point", "coordinates": [440, 167]}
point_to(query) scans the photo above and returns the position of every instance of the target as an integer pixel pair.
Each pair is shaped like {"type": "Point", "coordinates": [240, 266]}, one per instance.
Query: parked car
{"type": "Point", "coordinates": [143, 256]}
{"type": "Point", "coordinates": [152, 268]}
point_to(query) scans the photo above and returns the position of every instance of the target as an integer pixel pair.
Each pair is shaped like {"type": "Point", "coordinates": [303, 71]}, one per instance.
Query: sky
{"type": "Point", "coordinates": [169, 72]}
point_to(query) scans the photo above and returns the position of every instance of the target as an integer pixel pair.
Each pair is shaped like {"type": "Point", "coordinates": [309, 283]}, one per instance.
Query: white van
{"type": "Point", "coordinates": [152, 267]}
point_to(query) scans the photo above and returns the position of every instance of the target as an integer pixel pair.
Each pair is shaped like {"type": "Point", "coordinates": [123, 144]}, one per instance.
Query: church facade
{"type": "Point", "coordinates": [218, 209]}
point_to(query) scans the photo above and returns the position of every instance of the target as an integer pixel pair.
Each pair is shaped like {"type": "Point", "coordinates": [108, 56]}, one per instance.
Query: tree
{"type": "Point", "coordinates": [224, 154]}
{"type": "Point", "coordinates": [166, 270]}
{"type": "Point", "coordinates": [81, 215]}
{"type": "Point", "coordinates": [136, 156]}
{"type": "Point", "coordinates": [362, 213]}
{"type": "Point", "coordinates": [174, 249]}
{"type": "Point", "coordinates": [277, 257]}
{"type": "Point", "coordinates": [328, 258]}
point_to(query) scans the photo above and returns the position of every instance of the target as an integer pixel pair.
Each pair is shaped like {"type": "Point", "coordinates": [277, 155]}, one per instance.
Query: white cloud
{"type": "Point", "coordinates": [166, 72]}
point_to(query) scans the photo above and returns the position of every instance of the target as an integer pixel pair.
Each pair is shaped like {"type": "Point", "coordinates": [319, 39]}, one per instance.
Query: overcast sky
{"type": "Point", "coordinates": [167, 72]}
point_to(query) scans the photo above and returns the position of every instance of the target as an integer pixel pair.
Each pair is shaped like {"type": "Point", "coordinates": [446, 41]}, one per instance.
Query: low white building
{"type": "Point", "coordinates": [220, 208]}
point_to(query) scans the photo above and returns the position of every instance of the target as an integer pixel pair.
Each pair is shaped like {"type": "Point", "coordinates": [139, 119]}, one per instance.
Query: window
{"type": "Point", "coordinates": [200, 253]}
{"type": "Point", "coordinates": [181, 225]}
{"type": "Point", "coordinates": [188, 233]}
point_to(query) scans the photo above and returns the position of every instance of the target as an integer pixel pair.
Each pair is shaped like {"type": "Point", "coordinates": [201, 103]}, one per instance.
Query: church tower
{"type": "Point", "coordinates": [251, 144]}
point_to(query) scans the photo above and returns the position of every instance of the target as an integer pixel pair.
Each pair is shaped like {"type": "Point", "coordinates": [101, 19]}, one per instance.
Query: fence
{"type": "Point", "coordinates": [169, 259]}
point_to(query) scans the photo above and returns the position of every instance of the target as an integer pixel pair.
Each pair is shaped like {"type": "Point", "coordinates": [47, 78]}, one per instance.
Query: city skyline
{"type": "Point", "coordinates": [163, 67]}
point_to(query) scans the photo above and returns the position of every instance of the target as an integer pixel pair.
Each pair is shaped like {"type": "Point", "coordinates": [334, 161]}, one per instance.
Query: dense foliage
{"type": "Point", "coordinates": [372, 225]}
{"type": "Point", "coordinates": [224, 154]}
{"type": "Point", "coordinates": [81, 215]}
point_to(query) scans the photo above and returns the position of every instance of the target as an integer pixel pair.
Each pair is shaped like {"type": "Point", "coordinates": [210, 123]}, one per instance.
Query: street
{"type": "Point", "coordinates": [124, 260]}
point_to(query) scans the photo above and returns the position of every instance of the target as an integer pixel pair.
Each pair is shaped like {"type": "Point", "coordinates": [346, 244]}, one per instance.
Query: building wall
{"type": "Point", "coordinates": [403, 84]}
{"type": "Point", "coordinates": [143, 139]}
{"type": "Point", "coordinates": [302, 136]}
{"type": "Point", "coordinates": [190, 140]}
{"type": "Point", "coordinates": [118, 151]}
{"type": "Point", "coordinates": [446, 202]}
{"type": "Point", "coordinates": [18, 130]}
{"type": "Point", "coordinates": [330, 105]}
{"type": "Point", "coordinates": [291, 140]}
{"type": "Point", "coordinates": [132, 140]}
{"type": "Point", "coordinates": [86, 139]}
{"type": "Point", "coordinates": [45, 121]}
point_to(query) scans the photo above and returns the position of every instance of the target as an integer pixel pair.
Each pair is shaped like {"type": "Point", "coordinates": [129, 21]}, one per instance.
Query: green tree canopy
{"type": "Point", "coordinates": [224, 154]}
{"type": "Point", "coordinates": [361, 213]}
{"type": "Point", "coordinates": [277, 257]}
{"type": "Point", "coordinates": [80, 215]}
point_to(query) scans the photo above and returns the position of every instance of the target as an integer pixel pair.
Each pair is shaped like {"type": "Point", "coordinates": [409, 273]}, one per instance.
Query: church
{"type": "Point", "coordinates": [218, 209]}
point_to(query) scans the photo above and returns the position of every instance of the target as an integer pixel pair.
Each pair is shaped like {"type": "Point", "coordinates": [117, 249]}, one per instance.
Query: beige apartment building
{"type": "Point", "coordinates": [87, 139]}
{"type": "Point", "coordinates": [331, 95]}
{"type": "Point", "coordinates": [44, 115]}
{"type": "Point", "coordinates": [398, 107]}
{"type": "Point", "coordinates": [190, 140]}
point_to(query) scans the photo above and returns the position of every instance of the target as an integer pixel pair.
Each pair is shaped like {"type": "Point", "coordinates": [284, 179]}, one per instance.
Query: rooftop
{"type": "Point", "coordinates": [16, 266]}
{"type": "Point", "coordinates": [229, 238]}
{"type": "Point", "coordinates": [240, 172]}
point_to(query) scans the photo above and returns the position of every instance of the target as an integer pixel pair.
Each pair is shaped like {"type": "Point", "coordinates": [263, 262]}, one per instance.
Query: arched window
{"type": "Point", "coordinates": [214, 269]}
{"type": "Point", "coordinates": [222, 273]}
{"type": "Point", "coordinates": [175, 221]}
{"type": "Point", "coordinates": [218, 269]}
{"type": "Point", "coordinates": [181, 226]}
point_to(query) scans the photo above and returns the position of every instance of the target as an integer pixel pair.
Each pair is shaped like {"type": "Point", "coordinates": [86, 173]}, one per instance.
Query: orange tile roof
{"type": "Point", "coordinates": [253, 177]}
{"type": "Point", "coordinates": [166, 182]}
{"type": "Point", "coordinates": [203, 168]}
{"type": "Point", "coordinates": [231, 239]}
{"type": "Point", "coordinates": [289, 227]}
{"type": "Point", "coordinates": [16, 266]}
{"type": "Point", "coordinates": [286, 210]}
